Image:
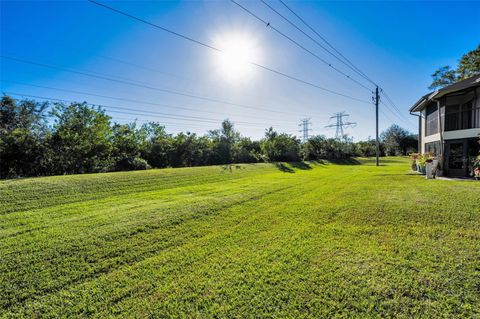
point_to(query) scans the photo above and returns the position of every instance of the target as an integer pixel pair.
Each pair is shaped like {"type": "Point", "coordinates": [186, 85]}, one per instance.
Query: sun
{"type": "Point", "coordinates": [237, 52]}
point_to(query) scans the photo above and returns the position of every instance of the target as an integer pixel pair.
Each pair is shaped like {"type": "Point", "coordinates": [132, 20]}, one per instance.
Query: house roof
{"type": "Point", "coordinates": [459, 86]}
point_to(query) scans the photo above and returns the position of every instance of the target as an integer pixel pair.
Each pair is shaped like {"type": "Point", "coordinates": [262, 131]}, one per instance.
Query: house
{"type": "Point", "coordinates": [449, 125]}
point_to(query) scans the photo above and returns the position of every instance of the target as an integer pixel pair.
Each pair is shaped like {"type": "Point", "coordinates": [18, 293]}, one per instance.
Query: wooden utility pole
{"type": "Point", "coordinates": [377, 143]}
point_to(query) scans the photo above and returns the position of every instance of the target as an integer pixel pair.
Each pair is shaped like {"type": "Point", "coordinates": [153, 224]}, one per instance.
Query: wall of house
{"type": "Point", "coordinates": [426, 138]}
{"type": "Point", "coordinates": [448, 135]}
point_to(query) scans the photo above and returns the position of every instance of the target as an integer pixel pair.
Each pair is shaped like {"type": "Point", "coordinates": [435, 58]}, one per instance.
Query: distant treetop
{"type": "Point", "coordinates": [468, 66]}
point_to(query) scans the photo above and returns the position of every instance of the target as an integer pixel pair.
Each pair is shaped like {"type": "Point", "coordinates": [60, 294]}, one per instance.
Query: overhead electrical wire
{"type": "Point", "coordinates": [269, 25]}
{"type": "Point", "coordinates": [135, 65]}
{"type": "Point", "coordinates": [405, 120]}
{"type": "Point", "coordinates": [131, 82]}
{"type": "Point", "coordinates": [175, 92]}
{"type": "Point", "coordinates": [396, 108]}
{"type": "Point", "coordinates": [113, 59]}
{"type": "Point", "coordinates": [139, 101]}
{"type": "Point", "coordinates": [354, 68]}
{"type": "Point", "coordinates": [291, 77]}
{"type": "Point", "coordinates": [347, 63]}
{"type": "Point", "coordinates": [138, 112]}
{"type": "Point", "coordinates": [329, 44]}
{"type": "Point", "coordinates": [340, 56]}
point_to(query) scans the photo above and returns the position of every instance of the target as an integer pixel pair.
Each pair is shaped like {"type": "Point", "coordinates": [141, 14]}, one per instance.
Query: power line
{"type": "Point", "coordinates": [120, 61]}
{"type": "Point", "coordinates": [329, 44]}
{"type": "Point", "coordinates": [349, 64]}
{"type": "Point", "coordinates": [136, 112]}
{"type": "Point", "coordinates": [301, 46]}
{"type": "Point", "coordinates": [113, 59]}
{"type": "Point", "coordinates": [405, 118]}
{"type": "Point", "coordinates": [346, 60]}
{"type": "Point", "coordinates": [139, 102]}
{"type": "Point", "coordinates": [291, 77]}
{"type": "Point", "coordinates": [175, 92]}
{"type": "Point", "coordinates": [395, 113]}
{"type": "Point", "coordinates": [154, 25]}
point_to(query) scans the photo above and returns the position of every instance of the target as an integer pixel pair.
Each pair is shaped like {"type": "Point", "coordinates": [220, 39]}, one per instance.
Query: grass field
{"type": "Point", "coordinates": [303, 241]}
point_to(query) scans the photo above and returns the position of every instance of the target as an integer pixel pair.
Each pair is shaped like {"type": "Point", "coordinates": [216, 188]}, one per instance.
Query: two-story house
{"type": "Point", "coordinates": [449, 125]}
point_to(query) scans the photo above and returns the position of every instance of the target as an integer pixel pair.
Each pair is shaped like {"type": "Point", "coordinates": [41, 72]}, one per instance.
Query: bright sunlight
{"type": "Point", "coordinates": [238, 50]}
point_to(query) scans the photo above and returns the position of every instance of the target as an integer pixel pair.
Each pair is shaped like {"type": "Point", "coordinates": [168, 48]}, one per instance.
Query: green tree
{"type": "Point", "coordinates": [159, 145]}
{"type": "Point", "coordinates": [398, 141]}
{"type": "Point", "coordinates": [82, 139]}
{"type": "Point", "coordinates": [225, 140]}
{"type": "Point", "coordinates": [247, 151]}
{"type": "Point", "coordinates": [128, 141]}
{"type": "Point", "coordinates": [23, 136]}
{"type": "Point", "coordinates": [190, 150]}
{"type": "Point", "coordinates": [468, 66]}
{"type": "Point", "coordinates": [442, 77]}
{"type": "Point", "coordinates": [366, 148]}
{"type": "Point", "coordinates": [280, 147]}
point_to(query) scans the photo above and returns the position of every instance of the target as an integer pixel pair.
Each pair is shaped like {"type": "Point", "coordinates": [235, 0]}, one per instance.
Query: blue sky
{"type": "Point", "coordinates": [397, 44]}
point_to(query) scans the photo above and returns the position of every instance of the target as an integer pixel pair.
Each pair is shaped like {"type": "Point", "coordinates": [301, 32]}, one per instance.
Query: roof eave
{"type": "Point", "coordinates": [420, 105]}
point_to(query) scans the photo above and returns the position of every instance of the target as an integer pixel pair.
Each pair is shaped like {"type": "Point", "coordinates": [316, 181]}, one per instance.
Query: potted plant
{"type": "Point", "coordinates": [476, 168]}
{"type": "Point", "coordinates": [421, 163]}
{"type": "Point", "coordinates": [413, 161]}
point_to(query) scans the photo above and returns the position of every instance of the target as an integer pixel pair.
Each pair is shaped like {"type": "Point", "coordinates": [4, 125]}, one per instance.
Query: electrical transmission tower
{"type": "Point", "coordinates": [340, 124]}
{"type": "Point", "coordinates": [305, 123]}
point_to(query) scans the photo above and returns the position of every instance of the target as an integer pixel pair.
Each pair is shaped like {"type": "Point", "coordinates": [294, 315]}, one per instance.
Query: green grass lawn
{"type": "Point", "coordinates": [260, 240]}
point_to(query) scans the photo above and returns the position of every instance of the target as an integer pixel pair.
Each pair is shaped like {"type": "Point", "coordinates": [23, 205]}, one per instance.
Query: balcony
{"type": "Point", "coordinates": [461, 117]}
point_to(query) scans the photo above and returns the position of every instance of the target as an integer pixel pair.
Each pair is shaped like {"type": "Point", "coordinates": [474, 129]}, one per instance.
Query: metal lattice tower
{"type": "Point", "coordinates": [340, 124]}
{"type": "Point", "coordinates": [305, 129]}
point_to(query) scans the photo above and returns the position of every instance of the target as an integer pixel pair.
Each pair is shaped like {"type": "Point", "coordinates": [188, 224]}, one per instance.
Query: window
{"type": "Point", "coordinates": [433, 147]}
{"type": "Point", "coordinates": [431, 120]}
{"type": "Point", "coordinates": [452, 118]}
{"type": "Point", "coordinates": [462, 114]}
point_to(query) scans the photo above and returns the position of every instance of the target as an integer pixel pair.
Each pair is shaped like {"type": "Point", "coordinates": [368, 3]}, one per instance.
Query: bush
{"type": "Point", "coordinates": [280, 147]}
{"type": "Point", "coordinates": [131, 163]}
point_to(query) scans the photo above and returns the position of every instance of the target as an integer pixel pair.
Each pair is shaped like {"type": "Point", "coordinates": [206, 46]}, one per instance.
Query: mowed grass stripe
{"type": "Point", "coordinates": [104, 226]}
{"type": "Point", "coordinates": [193, 225]}
{"type": "Point", "coordinates": [19, 195]}
{"type": "Point", "coordinates": [335, 240]}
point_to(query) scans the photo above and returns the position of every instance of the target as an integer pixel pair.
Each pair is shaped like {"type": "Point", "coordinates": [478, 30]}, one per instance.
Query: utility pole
{"type": "Point", "coordinates": [377, 143]}
{"type": "Point", "coordinates": [305, 123]}
{"type": "Point", "coordinates": [340, 124]}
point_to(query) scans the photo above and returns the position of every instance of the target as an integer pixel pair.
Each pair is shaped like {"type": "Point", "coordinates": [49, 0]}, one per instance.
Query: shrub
{"type": "Point", "coordinates": [131, 163]}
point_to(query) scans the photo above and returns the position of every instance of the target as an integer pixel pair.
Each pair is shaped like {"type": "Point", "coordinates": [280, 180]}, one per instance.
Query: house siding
{"type": "Point", "coordinates": [447, 135]}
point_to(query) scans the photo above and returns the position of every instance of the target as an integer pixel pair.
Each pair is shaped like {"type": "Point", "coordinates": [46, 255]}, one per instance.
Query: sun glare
{"type": "Point", "coordinates": [237, 51]}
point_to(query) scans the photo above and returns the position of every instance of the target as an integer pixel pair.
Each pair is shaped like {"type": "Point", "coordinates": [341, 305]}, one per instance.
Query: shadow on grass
{"type": "Point", "coordinates": [406, 174]}
{"type": "Point", "coordinates": [300, 165]}
{"type": "Point", "coordinates": [345, 161]}
{"type": "Point", "coordinates": [229, 167]}
{"type": "Point", "coordinates": [284, 168]}
{"type": "Point", "coordinates": [290, 167]}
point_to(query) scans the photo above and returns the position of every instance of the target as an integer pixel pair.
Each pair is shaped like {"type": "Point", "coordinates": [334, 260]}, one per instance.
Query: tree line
{"type": "Point", "coordinates": [41, 139]}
